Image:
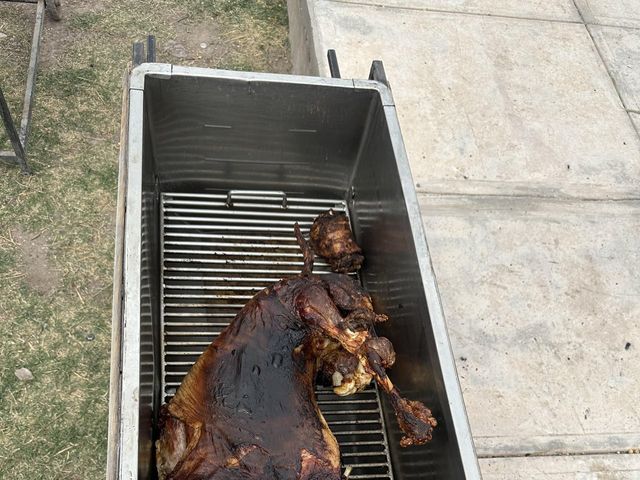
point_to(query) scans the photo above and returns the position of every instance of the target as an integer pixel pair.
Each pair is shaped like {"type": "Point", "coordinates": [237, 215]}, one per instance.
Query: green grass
{"type": "Point", "coordinates": [84, 21]}
{"type": "Point", "coordinates": [71, 82]}
{"type": "Point", "coordinates": [55, 426]}
{"type": "Point", "coordinates": [266, 11]}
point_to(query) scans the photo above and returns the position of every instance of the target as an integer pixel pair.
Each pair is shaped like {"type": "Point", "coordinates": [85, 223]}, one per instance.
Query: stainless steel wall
{"type": "Point", "coordinates": [150, 382]}
{"type": "Point", "coordinates": [255, 135]}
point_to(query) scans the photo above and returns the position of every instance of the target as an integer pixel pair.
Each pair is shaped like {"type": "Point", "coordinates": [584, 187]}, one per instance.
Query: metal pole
{"type": "Point", "coordinates": [13, 136]}
{"type": "Point", "coordinates": [27, 108]}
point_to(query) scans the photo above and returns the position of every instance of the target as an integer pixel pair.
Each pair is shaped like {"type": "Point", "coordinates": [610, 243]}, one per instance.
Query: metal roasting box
{"type": "Point", "coordinates": [215, 168]}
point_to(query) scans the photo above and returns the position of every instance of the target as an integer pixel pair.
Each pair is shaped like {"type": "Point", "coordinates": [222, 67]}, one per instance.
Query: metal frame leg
{"type": "Point", "coordinates": [27, 106]}
{"type": "Point", "coordinates": [12, 133]}
{"type": "Point", "coordinates": [20, 139]}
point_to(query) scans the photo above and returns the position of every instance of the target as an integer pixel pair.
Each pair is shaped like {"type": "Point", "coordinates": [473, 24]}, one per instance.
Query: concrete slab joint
{"type": "Point", "coordinates": [622, 13]}
{"type": "Point", "coordinates": [553, 10]}
{"type": "Point", "coordinates": [620, 49]}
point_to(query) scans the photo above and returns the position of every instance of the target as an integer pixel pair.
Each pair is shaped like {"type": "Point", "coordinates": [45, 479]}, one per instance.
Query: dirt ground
{"type": "Point", "coordinates": [57, 226]}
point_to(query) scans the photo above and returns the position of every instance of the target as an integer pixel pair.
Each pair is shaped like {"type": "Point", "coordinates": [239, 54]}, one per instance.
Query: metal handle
{"type": "Point", "coordinates": [256, 195]}
{"type": "Point", "coordinates": [151, 48]}
{"type": "Point", "coordinates": [139, 56]}
{"type": "Point", "coordinates": [377, 72]}
{"type": "Point", "coordinates": [333, 63]}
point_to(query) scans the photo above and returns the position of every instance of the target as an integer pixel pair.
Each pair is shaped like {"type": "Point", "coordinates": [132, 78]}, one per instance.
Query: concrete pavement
{"type": "Point", "coordinates": [521, 122]}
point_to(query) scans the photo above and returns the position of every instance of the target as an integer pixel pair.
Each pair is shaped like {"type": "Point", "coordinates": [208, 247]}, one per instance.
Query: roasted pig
{"type": "Point", "coordinates": [247, 409]}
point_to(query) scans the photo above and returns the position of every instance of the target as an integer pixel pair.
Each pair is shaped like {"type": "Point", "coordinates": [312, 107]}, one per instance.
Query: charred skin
{"type": "Point", "coordinates": [332, 239]}
{"type": "Point", "coordinates": [247, 408]}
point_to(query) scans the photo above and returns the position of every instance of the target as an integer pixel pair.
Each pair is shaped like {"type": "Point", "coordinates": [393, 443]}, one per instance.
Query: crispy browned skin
{"type": "Point", "coordinates": [247, 408]}
{"type": "Point", "coordinates": [332, 239]}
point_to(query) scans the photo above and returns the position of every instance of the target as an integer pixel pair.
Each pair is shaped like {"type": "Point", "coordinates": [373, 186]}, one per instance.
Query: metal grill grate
{"type": "Point", "coordinates": [217, 252]}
